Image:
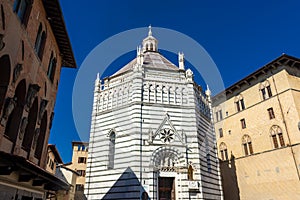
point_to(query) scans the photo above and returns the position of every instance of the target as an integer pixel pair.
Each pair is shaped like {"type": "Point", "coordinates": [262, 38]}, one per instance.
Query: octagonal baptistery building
{"type": "Point", "coordinates": [151, 133]}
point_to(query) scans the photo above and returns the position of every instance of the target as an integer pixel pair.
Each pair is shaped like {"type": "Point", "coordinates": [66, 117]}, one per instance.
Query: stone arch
{"type": "Point", "coordinates": [264, 84]}
{"type": "Point", "coordinates": [30, 128]}
{"type": "Point", "coordinates": [247, 144]}
{"type": "Point", "coordinates": [151, 47]}
{"type": "Point", "coordinates": [146, 92]}
{"type": "Point", "coordinates": [166, 157]}
{"type": "Point", "coordinates": [238, 98]}
{"type": "Point", "coordinates": [151, 92]}
{"type": "Point", "coordinates": [277, 136]}
{"type": "Point", "coordinates": [41, 137]}
{"type": "Point", "coordinates": [111, 148]}
{"type": "Point", "coordinates": [178, 95]}
{"type": "Point", "coordinates": [172, 94]}
{"type": "Point", "coordinates": [5, 70]}
{"type": "Point", "coordinates": [165, 94]}
{"type": "Point", "coordinates": [15, 116]}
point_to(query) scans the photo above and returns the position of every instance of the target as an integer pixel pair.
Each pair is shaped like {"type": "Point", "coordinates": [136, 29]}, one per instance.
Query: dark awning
{"type": "Point", "coordinates": [29, 171]}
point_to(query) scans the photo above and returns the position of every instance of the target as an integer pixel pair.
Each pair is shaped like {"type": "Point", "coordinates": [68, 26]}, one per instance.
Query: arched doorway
{"type": "Point", "coordinates": [41, 137]}
{"type": "Point", "coordinates": [30, 128]}
{"type": "Point", "coordinates": [165, 162]}
{"type": "Point", "coordinates": [4, 78]}
{"type": "Point", "coordinates": [14, 119]}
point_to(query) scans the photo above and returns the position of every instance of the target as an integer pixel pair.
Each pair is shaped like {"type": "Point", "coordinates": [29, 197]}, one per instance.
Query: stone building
{"type": "Point", "coordinates": [56, 166]}
{"type": "Point", "coordinates": [257, 123]}
{"type": "Point", "coordinates": [151, 133]}
{"type": "Point", "coordinates": [34, 45]}
{"type": "Point", "coordinates": [53, 159]}
{"type": "Point", "coordinates": [79, 163]}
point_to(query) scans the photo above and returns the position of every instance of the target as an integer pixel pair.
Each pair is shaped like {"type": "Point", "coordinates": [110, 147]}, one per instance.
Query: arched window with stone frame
{"type": "Point", "coordinates": [265, 90]}
{"type": "Point", "coordinates": [223, 151]}
{"type": "Point", "coordinates": [165, 94]}
{"type": "Point", "coordinates": [111, 149]}
{"type": "Point", "coordinates": [158, 94]}
{"type": "Point", "coordinates": [247, 145]}
{"type": "Point", "coordinates": [172, 95]}
{"type": "Point", "coordinates": [151, 47]}
{"type": "Point", "coordinates": [178, 95]}
{"type": "Point", "coordinates": [239, 103]}
{"type": "Point", "coordinates": [40, 41]}
{"type": "Point", "coordinates": [218, 114]}
{"type": "Point", "coordinates": [152, 93]}
{"type": "Point", "coordinates": [51, 67]}
{"type": "Point", "coordinates": [23, 8]}
{"type": "Point", "coordinates": [277, 136]}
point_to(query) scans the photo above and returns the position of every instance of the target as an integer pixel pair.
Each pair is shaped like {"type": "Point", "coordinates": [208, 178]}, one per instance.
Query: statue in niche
{"type": "Point", "coordinates": [32, 91]}
{"type": "Point", "coordinates": [43, 106]}
{"type": "Point", "coordinates": [23, 126]}
{"type": "Point", "coordinates": [10, 105]}
{"type": "Point", "coordinates": [35, 137]}
{"type": "Point", "coordinates": [17, 71]}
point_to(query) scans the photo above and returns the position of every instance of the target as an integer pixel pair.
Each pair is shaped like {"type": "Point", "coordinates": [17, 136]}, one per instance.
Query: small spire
{"type": "Point", "coordinates": [181, 60]}
{"type": "Point", "coordinates": [150, 30]}
{"type": "Point", "coordinates": [207, 92]}
{"type": "Point", "coordinates": [139, 55]}
{"type": "Point", "coordinates": [97, 83]}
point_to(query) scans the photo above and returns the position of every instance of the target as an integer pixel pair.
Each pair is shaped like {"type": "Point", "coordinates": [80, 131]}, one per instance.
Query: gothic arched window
{"type": "Point", "coordinates": [265, 90]}
{"type": "Point", "coordinates": [51, 67]}
{"type": "Point", "coordinates": [40, 42]}
{"type": "Point", "coordinates": [22, 8]}
{"type": "Point", "coordinates": [218, 114]}
{"type": "Point", "coordinates": [223, 151]}
{"type": "Point", "coordinates": [111, 150]}
{"type": "Point", "coordinates": [239, 103]}
{"type": "Point", "coordinates": [247, 145]}
{"type": "Point", "coordinates": [277, 136]}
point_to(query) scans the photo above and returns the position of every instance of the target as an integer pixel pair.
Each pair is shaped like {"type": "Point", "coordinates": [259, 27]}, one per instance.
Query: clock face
{"type": "Point", "coordinates": [167, 135]}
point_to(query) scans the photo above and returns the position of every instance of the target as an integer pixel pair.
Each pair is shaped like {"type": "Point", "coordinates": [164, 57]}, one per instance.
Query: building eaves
{"type": "Point", "coordinates": [282, 60]}
{"type": "Point", "coordinates": [30, 171]}
{"type": "Point", "coordinates": [56, 153]}
{"type": "Point", "coordinates": [56, 20]}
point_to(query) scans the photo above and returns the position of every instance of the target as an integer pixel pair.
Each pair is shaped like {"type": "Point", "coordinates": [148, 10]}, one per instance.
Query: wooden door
{"type": "Point", "coordinates": [166, 187]}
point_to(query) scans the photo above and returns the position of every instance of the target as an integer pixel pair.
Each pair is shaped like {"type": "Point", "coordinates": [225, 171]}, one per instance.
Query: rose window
{"type": "Point", "coordinates": [167, 135]}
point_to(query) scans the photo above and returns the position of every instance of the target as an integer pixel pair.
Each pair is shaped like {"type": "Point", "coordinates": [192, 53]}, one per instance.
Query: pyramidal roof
{"type": "Point", "coordinates": [151, 57]}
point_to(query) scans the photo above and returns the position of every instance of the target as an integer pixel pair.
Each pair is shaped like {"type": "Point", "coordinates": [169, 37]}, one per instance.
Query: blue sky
{"type": "Point", "coordinates": [240, 37]}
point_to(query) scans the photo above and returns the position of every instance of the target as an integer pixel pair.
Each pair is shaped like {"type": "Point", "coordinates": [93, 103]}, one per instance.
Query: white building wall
{"type": "Point", "coordinates": [135, 108]}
